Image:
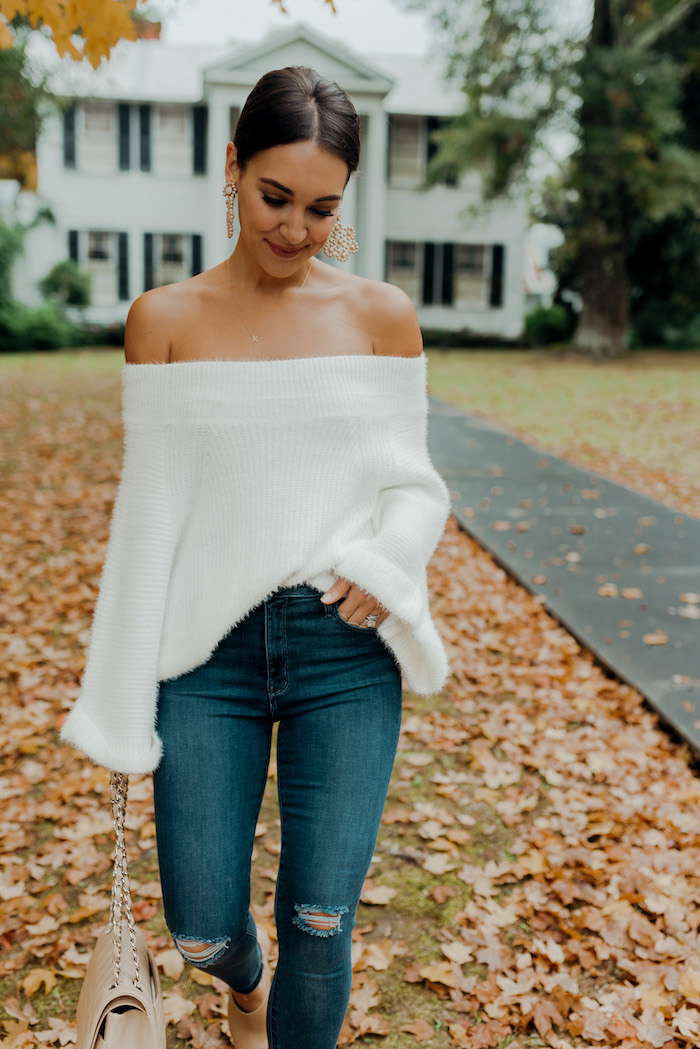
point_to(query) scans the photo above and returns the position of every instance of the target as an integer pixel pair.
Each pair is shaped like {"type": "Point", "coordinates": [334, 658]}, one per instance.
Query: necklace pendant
{"type": "Point", "coordinates": [256, 338]}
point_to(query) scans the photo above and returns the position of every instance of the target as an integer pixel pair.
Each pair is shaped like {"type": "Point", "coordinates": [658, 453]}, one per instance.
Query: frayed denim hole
{"type": "Point", "coordinates": [309, 912]}
{"type": "Point", "coordinates": [202, 957]}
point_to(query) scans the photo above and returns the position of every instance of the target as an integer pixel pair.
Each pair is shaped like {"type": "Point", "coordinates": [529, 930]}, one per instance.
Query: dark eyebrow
{"type": "Point", "coordinates": [278, 185]}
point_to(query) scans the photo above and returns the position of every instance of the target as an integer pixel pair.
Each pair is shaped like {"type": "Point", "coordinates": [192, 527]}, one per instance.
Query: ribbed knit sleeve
{"type": "Point", "coordinates": [113, 718]}
{"type": "Point", "coordinates": [411, 510]}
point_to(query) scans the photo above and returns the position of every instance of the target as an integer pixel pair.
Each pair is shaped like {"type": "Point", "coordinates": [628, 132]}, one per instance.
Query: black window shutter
{"type": "Point", "coordinates": [199, 126]}
{"type": "Point", "coordinates": [124, 137]}
{"type": "Point", "coordinates": [496, 298]}
{"type": "Point", "coordinates": [123, 266]}
{"type": "Point", "coordinates": [69, 137]}
{"type": "Point", "coordinates": [145, 137]}
{"type": "Point", "coordinates": [73, 245]}
{"type": "Point", "coordinates": [196, 254]}
{"type": "Point", "coordinates": [432, 124]}
{"type": "Point", "coordinates": [448, 265]}
{"type": "Point", "coordinates": [428, 273]}
{"type": "Point", "coordinates": [147, 261]}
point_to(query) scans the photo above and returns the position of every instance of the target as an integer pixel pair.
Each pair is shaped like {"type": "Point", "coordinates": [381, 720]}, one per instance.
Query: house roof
{"type": "Point", "coordinates": [156, 71]}
{"type": "Point", "coordinates": [420, 87]}
{"type": "Point", "coordinates": [301, 45]}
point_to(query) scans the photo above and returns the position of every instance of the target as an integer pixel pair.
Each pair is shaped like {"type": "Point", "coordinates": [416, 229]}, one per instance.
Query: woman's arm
{"type": "Point", "coordinates": [411, 513]}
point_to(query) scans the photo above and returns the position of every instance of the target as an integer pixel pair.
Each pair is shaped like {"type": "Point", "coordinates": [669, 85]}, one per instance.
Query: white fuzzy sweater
{"type": "Point", "coordinates": [239, 477]}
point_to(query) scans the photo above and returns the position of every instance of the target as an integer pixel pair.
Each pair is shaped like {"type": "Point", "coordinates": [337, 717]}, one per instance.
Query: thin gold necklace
{"type": "Point", "coordinates": [256, 338]}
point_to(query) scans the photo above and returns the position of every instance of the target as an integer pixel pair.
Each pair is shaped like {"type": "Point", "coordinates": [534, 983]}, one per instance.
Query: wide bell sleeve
{"type": "Point", "coordinates": [113, 718]}
{"type": "Point", "coordinates": [409, 516]}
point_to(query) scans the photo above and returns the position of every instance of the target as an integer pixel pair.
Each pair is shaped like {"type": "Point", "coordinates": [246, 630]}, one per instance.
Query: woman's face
{"type": "Point", "coordinates": [288, 201]}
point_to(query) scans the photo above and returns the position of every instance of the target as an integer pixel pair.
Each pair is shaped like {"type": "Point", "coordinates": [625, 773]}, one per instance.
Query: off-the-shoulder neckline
{"type": "Point", "coordinates": [276, 360]}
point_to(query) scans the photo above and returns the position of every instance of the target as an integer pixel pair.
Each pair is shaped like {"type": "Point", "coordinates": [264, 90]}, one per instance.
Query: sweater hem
{"type": "Point", "coordinates": [129, 756]}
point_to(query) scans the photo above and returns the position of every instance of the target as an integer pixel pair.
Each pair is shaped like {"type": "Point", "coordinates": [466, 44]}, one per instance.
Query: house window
{"type": "Point", "coordinates": [99, 118]}
{"type": "Point", "coordinates": [98, 245]}
{"type": "Point", "coordinates": [172, 248]}
{"type": "Point", "coordinates": [173, 262]}
{"type": "Point", "coordinates": [171, 257]}
{"type": "Point", "coordinates": [104, 254]}
{"type": "Point", "coordinates": [99, 139]}
{"type": "Point", "coordinates": [102, 264]}
{"type": "Point", "coordinates": [472, 275]}
{"type": "Point", "coordinates": [403, 269]}
{"type": "Point", "coordinates": [173, 140]}
{"type": "Point", "coordinates": [171, 124]}
{"type": "Point", "coordinates": [406, 150]}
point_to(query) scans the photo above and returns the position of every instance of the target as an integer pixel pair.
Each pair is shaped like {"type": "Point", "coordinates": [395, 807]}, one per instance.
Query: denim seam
{"type": "Point", "coordinates": [272, 1001]}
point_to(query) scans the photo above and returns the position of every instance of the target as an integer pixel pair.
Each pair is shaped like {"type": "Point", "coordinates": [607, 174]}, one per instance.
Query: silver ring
{"type": "Point", "coordinates": [371, 619]}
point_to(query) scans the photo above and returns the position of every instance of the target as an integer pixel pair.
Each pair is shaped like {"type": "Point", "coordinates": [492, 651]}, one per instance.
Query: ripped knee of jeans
{"type": "Point", "coordinates": [201, 953]}
{"type": "Point", "coordinates": [318, 920]}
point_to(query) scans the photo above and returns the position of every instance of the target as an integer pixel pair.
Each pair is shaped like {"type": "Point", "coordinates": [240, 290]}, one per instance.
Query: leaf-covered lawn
{"type": "Point", "coordinates": [635, 420]}
{"type": "Point", "coordinates": [536, 880]}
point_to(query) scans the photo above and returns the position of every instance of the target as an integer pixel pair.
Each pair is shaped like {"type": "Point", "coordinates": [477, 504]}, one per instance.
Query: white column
{"type": "Point", "coordinates": [217, 246]}
{"type": "Point", "coordinates": [374, 193]}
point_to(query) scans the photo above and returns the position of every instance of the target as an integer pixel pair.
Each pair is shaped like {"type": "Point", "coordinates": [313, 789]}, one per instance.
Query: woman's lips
{"type": "Point", "coordinates": [283, 253]}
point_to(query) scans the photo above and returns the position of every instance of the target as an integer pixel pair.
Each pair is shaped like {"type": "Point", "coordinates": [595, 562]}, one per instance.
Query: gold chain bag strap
{"type": "Point", "coordinates": [121, 1002]}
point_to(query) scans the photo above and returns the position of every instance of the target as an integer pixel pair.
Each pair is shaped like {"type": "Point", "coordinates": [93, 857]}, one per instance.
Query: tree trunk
{"type": "Point", "coordinates": [603, 326]}
{"type": "Point", "coordinates": [604, 323]}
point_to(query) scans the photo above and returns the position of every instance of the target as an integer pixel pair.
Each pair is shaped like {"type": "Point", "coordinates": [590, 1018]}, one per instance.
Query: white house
{"type": "Point", "coordinates": [134, 169]}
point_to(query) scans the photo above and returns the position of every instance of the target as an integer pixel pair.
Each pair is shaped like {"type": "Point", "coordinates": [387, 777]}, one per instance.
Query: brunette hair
{"type": "Point", "coordinates": [298, 104]}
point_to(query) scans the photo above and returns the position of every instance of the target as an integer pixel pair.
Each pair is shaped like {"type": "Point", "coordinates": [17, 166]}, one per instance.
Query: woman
{"type": "Point", "coordinates": [266, 562]}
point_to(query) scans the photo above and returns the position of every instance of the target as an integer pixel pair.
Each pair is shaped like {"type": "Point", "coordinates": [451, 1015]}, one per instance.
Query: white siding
{"type": "Point", "coordinates": [169, 198]}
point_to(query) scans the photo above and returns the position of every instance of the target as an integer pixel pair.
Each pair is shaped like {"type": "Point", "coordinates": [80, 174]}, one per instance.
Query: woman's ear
{"type": "Point", "coordinates": [232, 170]}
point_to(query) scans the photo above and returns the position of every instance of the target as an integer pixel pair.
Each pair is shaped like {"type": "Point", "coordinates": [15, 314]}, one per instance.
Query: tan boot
{"type": "Point", "coordinates": [249, 1030]}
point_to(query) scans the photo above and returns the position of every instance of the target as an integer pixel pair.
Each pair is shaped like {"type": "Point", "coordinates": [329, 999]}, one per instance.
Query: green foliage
{"type": "Point", "coordinates": [665, 302]}
{"type": "Point", "coordinates": [11, 246]}
{"type": "Point", "coordinates": [547, 325]}
{"type": "Point", "coordinates": [66, 285]}
{"type": "Point", "coordinates": [630, 142]}
{"type": "Point", "coordinates": [514, 62]}
{"type": "Point", "coordinates": [21, 96]}
{"type": "Point", "coordinates": [448, 339]}
{"type": "Point", "coordinates": [622, 84]}
{"type": "Point", "coordinates": [35, 328]}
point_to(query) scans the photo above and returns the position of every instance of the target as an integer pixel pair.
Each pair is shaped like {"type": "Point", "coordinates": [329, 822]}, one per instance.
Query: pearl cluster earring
{"type": "Point", "coordinates": [229, 191]}
{"type": "Point", "coordinates": [341, 244]}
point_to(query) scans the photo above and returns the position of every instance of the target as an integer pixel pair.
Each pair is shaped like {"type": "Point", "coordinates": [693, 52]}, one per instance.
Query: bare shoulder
{"type": "Point", "coordinates": [146, 335]}
{"type": "Point", "coordinates": [152, 319]}
{"type": "Point", "coordinates": [389, 317]}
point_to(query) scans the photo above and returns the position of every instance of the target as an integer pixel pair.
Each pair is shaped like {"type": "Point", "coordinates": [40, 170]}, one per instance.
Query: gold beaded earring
{"type": "Point", "coordinates": [341, 244]}
{"type": "Point", "coordinates": [229, 191]}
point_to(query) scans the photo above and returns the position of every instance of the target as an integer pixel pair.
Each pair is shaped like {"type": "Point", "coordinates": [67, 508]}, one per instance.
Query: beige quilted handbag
{"type": "Point", "coordinates": [121, 1003]}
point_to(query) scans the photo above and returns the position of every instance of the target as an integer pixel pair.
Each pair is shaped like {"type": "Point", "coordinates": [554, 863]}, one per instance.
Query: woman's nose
{"type": "Point", "coordinates": [294, 230]}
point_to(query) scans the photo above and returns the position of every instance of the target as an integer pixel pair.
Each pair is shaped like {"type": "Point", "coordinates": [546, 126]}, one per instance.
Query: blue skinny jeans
{"type": "Point", "coordinates": [335, 689]}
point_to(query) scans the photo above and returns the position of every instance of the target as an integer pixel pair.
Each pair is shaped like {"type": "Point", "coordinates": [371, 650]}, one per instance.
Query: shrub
{"type": "Point", "coordinates": [35, 328]}
{"type": "Point", "coordinates": [546, 325]}
{"type": "Point", "coordinates": [463, 339]}
{"type": "Point", "coordinates": [66, 285]}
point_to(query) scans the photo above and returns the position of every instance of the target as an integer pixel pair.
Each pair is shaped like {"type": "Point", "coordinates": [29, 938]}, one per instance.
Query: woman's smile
{"type": "Point", "coordinates": [283, 253]}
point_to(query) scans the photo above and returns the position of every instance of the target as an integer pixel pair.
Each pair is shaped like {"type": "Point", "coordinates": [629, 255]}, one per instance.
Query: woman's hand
{"type": "Point", "coordinates": [357, 604]}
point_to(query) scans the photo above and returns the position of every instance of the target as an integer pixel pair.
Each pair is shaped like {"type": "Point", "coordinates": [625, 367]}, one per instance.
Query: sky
{"type": "Point", "coordinates": [371, 26]}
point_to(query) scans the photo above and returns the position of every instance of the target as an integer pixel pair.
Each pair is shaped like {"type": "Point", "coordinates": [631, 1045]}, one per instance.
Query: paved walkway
{"type": "Point", "coordinates": [619, 570]}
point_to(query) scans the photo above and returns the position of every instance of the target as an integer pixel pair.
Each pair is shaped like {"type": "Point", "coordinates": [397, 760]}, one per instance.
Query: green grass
{"type": "Point", "coordinates": [644, 407]}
